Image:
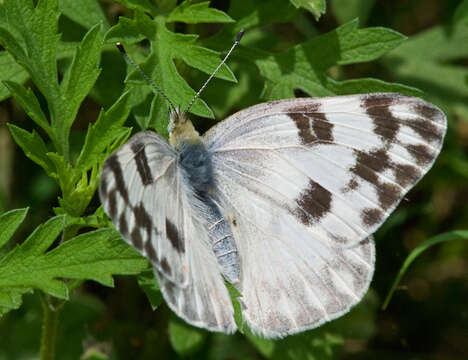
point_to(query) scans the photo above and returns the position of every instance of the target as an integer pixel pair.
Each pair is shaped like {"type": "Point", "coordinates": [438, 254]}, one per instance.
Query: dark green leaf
{"type": "Point", "coordinates": [194, 13]}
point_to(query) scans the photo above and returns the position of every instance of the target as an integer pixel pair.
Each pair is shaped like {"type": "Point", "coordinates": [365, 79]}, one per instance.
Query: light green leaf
{"type": "Point", "coordinates": [84, 12]}
{"type": "Point", "coordinates": [30, 104]}
{"type": "Point", "coordinates": [185, 339]}
{"type": "Point", "coordinates": [316, 7]}
{"type": "Point", "coordinates": [101, 134]}
{"type": "Point", "coordinates": [33, 147]}
{"type": "Point", "coordinates": [450, 236]}
{"type": "Point", "coordinates": [194, 13]}
{"type": "Point", "coordinates": [9, 222]}
{"type": "Point", "coordinates": [149, 284]}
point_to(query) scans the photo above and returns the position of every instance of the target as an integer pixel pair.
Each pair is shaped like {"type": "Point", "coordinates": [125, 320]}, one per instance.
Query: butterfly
{"type": "Point", "coordinates": [279, 199]}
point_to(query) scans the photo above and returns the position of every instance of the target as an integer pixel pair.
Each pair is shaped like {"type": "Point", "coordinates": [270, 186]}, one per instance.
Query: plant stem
{"type": "Point", "coordinates": [49, 328]}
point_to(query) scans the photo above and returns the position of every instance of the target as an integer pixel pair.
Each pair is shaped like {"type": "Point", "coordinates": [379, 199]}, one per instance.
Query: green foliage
{"type": "Point", "coordinates": [284, 52]}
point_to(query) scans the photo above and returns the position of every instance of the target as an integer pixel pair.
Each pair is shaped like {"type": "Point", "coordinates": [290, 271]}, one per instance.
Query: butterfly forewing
{"type": "Point", "coordinates": [143, 191]}
{"type": "Point", "coordinates": [307, 181]}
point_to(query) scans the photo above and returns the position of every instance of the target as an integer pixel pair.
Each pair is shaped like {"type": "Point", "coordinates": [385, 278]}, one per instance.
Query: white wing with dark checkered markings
{"type": "Point", "coordinates": [306, 182]}
{"type": "Point", "coordinates": [142, 190]}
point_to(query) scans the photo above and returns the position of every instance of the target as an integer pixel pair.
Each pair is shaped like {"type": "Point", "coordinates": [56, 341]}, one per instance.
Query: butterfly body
{"type": "Point", "coordinates": [280, 199]}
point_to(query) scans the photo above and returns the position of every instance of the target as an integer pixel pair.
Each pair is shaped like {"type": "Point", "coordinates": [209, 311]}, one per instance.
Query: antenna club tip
{"type": "Point", "coordinates": [240, 34]}
{"type": "Point", "coordinates": [120, 47]}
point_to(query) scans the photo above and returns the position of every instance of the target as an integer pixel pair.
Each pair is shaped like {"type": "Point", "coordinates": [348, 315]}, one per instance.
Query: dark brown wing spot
{"type": "Point", "coordinates": [142, 163]}
{"type": "Point", "coordinates": [103, 187]}
{"type": "Point", "coordinates": [421, 154]}
{"type": "Point", "coordinates": [323, 129]}
{"type": "Point", "coordinates": [371, 217]}
{"type": "Point", "coordinates": [303, 126]}
{"type": "Point", "coordinates": [426, 129]}
{"type": "Point", "coordinates": [135, 238]}
{"type": "Point", "coordinates": [165, 266]}
{"type": "Point", "coordinates": [388, 195]}
{"type": "Point", "coordinates": [143, 219]}
{"type": "Point", "coordinates": [315, 201]}
{"type": "Point", "coordinates": [406, 174]}
{"type": "Point", "coordinates": [150, 251]}
{"type": "Point", "coordinates": [378, 109]}
{"type": "Point", "coordinates": [113, 164]}
{"type": "Point", "coordinates": [123, 226]}
{"type": "Point", "coordinates": [429, 112]}
{"type": "Point", "coordinates": [112, 200]}
{"type": "Point", "coordinates": [174, 237]}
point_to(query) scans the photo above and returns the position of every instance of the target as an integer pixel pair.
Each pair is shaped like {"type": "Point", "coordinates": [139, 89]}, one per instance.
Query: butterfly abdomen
{"type": "Point", "coordinates": [195, 160]}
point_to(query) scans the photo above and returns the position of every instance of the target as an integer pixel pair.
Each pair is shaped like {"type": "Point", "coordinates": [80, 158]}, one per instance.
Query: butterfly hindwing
{"type": "Point", "coordinates": [307, 181]}
{"type": "Point", "coordinates": [143, 191]}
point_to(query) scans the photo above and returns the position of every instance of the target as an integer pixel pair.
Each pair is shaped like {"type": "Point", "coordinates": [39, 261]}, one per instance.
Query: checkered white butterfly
{"type": "Point", "coordinates": [279, 199]}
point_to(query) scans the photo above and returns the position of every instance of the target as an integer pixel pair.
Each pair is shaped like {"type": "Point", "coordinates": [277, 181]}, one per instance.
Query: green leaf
{"type": "Point", "coordinates": [101, 134]}
{"type": "Point", "coordinates": [185, 339]}
{"type": "Point", "coordinates": [33, 147]}
{"type": "Point", "coordinates": [17, 269]}
{"type": "Point", "coordinates": [96, 255]}
{"type": "Point", "coordinates": [190, 13]}
{"type": "Point", "coordinates": [9, 222]}
{"type": "Point", "coordinates": [30, 104]}
{"type": "Point", "coordinates": [234, 294]}
{"type": "Point", "coordinates": [84, 12]}
{"type": "Point", "coordinates": [315, 7]}
{"type": "Point", "coordinates": [450, 236]}
{"type": "Point", "coordinates": [82, 74]}
{"type": "Point", "coordinates": [166, 48]}
{"type": "Point", "coordinates": [347, 10]}
{"type": "Point", "coordinates": [148, 283]}
{"type": "Point", "coordinates": [417, 63]}
{"type": "Point", "coordinates": [11, 71]}
{"type": "Point", "coordinates": [37, 28]}
{"type": "Point", "coordinates": [344, 45]}
{"type": "Point", "coordinates": [141, 5]}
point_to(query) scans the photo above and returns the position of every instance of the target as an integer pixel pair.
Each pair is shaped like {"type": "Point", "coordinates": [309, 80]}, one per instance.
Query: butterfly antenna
{"type": "Point", "coordinates": [238, 38]}
{"type": "Point", "coordinates": [146, 77]}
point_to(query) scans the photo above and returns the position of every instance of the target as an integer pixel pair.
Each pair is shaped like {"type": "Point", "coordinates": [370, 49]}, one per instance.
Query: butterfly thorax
{"type": "Point", "coordinates": [181, 130]}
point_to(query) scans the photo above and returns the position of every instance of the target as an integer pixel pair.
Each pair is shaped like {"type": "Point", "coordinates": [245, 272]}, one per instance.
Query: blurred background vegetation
{"type": "Point", "coordinates": [428, 315]}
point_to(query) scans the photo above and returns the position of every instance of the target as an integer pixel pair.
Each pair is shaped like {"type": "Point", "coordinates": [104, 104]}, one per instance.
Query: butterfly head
{"type": "Point", "coordinates": [180, 129]}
